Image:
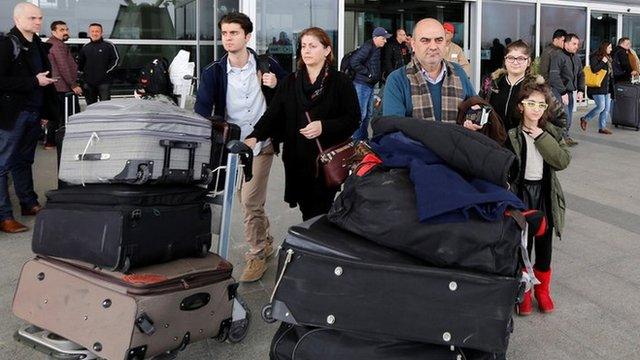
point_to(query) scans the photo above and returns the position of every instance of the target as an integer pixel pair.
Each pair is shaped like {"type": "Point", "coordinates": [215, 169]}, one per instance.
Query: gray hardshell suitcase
{"type": "Point", "coordinates": [136, 141]}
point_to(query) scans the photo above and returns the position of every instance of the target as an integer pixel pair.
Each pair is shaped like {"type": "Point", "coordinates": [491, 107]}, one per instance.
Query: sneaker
{"type": "Point", "coordinates": [570, 141]}
{"type": "Point", "coordinates": [605, 131]}
{"type": "Point", "coordinates": [254, 269]}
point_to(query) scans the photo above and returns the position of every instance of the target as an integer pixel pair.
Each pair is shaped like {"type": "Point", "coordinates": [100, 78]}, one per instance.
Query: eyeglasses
{"type": "Point", "coordinates": [513, 59]}
{"type": "Point", "coordinates": [532, 105]}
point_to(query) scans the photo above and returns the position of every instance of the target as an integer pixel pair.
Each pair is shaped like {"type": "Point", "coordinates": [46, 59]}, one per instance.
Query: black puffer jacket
{"type": "Point", "coordinates": [481, 157]}
{"type": "Point", "coordinates": [606, 87]}
{"type": "Point", "coordinates": [366, 64]}
{"type": "Point", "coordinates": [18, 80]}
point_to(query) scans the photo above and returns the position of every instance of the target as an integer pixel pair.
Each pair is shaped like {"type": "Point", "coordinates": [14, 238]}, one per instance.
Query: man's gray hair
{"type": "Point", "coordinates": [21, 7]}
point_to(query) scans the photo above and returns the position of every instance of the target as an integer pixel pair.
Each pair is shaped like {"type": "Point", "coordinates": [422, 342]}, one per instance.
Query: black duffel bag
{"type": "Point", "coordinates": [381, 207]}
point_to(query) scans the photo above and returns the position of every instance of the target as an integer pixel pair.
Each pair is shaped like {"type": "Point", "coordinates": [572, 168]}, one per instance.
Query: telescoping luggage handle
{"type": "Point", "coordinates": [70, 95]}
{"type": "Point", "coordinates": [178, 175]}
{"type": "Point", "coordinates": [239, 152]}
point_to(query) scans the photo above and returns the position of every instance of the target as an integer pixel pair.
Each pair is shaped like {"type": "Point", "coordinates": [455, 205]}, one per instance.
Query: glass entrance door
{"type": "Point", "coordinates": [603, 27]}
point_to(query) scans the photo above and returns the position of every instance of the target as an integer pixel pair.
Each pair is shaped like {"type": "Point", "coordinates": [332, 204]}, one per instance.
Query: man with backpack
{"type": "Point", "coordinates": [367, 71]}
{"type": "Point", "coordinates": [238, 88]}
{"type": "Point", "coordinates": [27, 95]}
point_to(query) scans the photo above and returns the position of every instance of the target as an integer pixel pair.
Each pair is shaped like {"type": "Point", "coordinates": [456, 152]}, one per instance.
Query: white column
{"type": "Point", "coordinates": [341, 32]}
{"type": "Point", "coordinates": [250, 8]}
{"type": "Point", "coordinates": [476, 43]}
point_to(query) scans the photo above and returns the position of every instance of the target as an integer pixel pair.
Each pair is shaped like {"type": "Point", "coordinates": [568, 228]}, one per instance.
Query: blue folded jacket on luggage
{"type": "Point", "coordinates": [442, 194]}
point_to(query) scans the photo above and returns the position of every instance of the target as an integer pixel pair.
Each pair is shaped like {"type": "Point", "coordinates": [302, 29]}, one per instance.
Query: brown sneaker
{"type": "Point", "coordinates": [570, 141]}
{"type": "Point", "coordinates": [11, 226]}
{"type": "Point", "coordinates": [605, 131]}
{"type": "Point", "coordinates": [254, 270]}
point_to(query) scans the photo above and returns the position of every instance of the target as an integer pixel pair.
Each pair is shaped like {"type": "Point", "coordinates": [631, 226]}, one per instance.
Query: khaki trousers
{"type": "Point", "coordinates": [253, 196]}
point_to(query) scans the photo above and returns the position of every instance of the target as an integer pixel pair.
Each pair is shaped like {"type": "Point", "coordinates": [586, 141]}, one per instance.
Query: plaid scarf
{"type": "Point", "coordinates": [452, 93]}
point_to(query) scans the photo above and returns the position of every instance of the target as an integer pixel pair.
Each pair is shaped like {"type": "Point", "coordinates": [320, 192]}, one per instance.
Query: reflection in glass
{"type": "Point", "coordinates": [517, 22]}
{"type": "Point", "coordinates": [603, 27]}
{"type": "Point", "coordinates": [631, 29]}
{"type": "Point", "coordinates": [279, 22]}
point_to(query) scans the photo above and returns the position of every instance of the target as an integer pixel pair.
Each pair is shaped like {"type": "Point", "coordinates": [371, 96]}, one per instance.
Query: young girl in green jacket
{"type": "Point", "coordinates": [541, 151]}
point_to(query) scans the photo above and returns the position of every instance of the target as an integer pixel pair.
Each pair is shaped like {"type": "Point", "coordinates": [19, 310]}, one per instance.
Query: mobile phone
{"type": "Point", "coordinates": [484, 118]}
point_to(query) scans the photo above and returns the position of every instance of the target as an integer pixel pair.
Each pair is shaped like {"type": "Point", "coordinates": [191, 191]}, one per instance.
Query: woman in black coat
{"type": "Point", "coordinates": [602, 95]}
{"type": "Point", "coordinates": [331, 101]}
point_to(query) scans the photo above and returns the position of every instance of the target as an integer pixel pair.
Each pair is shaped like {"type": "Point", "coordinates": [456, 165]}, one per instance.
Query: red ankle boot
{"type": "Point", "coordinates": [526, 306]}
{"type": "Point", "coordinates": [542, 291]}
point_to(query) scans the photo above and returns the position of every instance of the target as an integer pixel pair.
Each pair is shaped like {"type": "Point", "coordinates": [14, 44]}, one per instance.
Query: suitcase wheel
{"type": "Point", "coordinates": [224, 332]}
{"type": "Point", "coordinates": [267, 314]}
{"type": "Point", "coordinates": [616, 125]}
{"type": "Point", "coordinates": [238, 330]}
{"type": "Point", "coordinates": [143, 175]}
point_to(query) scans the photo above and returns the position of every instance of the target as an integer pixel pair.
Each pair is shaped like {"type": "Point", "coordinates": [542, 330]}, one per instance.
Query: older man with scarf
{"type": "Point", "coordinates": [429, 87]}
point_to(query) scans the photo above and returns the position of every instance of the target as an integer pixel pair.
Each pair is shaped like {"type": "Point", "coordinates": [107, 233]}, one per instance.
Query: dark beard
{"type": "Point", "coordinates": [65, 38]}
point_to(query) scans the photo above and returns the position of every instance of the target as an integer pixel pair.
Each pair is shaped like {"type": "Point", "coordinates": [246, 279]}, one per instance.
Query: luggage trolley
{"type": "Point", "coordinates": [240, 157]}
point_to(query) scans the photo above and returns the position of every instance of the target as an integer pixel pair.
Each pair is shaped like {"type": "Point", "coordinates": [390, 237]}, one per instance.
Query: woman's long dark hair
{"type": "Point", "coordinates": [601, 52]}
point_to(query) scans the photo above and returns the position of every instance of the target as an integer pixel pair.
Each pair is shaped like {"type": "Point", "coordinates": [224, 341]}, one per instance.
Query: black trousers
{"type": "Point", "coordinates": [316, 199]}
{"type": "Point", "coordinates": [53, 126]}
{"type": "Point", "coordinates": [92, 92]}
{"type": "Point", "coordinates": [534, 198]}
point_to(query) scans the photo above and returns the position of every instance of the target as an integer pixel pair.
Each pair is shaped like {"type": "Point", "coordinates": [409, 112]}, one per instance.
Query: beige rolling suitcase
{"type": "Point", "coordinates": [156, 310]}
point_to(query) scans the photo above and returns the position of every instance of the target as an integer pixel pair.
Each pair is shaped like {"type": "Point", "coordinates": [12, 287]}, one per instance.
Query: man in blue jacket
{"type": "Point", "coordinates": [429, 87]}
{"type": "Point", "coordinates": [238, 88]}
{"type": "Point", "coordinates": [365, 62]}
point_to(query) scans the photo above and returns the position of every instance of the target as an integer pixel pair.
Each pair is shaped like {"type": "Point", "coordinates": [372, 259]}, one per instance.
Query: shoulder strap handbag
{"type": "Point", "coordinates": [335, 161]}
{"type": "Point", "coordinates": [591, 79]}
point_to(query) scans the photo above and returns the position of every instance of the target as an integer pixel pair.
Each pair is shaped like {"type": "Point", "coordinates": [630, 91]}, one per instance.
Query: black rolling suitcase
{"type": "Point", "coordinates": [118, 227]}
{"type": "Point", "coordinates": [626, 110]}
{"type": "Point", "coordinates": [309, 343]}
{"type": "Point", "coordinates": [330, 278]}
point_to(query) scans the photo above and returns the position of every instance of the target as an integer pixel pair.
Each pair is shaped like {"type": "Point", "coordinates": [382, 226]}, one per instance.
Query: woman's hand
{"type": "Point", "coordinates": [251, 142]}
{"type": "Point", "coordinates": [471, 126]}
{"type": "Point", "coordinates": [313, 130]}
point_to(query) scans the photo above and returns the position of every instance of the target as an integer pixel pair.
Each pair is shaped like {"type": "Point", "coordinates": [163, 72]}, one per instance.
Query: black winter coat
{"type": "Point", "coordinates": [337, 109]}
{"type": "Point", "coordinates": [606, 87]}
{"type": "Point", "coordinates": [366, 64]}
{"type": "Point", "coordinates": [97, 60]}
{"type": "Point", "coordinates": [621, 65]}
{"type": "Point", "coordinates": [395, 55]}
{"type": "Point", "coordinates": [18, 80]}
{"type": "Point", "coordinates": [565, 72]}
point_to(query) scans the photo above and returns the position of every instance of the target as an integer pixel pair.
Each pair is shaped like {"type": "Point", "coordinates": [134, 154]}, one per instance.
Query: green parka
{"type": "Point", "coordinates": [556, 155]}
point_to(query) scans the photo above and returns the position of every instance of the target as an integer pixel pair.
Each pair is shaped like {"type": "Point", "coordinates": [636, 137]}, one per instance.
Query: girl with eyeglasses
{"type": "Point", "coordinates": [602, 95]}
{"type": "Point", "coordinates": [502, 87]}
{"type": "Point", "coordinates": [540, 151]}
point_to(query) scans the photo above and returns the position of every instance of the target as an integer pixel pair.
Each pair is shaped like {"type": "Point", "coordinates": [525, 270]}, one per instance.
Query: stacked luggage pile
{"type": "Point", "coordinates": [371, 281]}
{"type": "Point", "coordinates": [122, 267]}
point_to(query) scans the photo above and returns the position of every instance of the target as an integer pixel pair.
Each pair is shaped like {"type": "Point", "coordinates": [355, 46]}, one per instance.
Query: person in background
{"type": "Point", "coordinates": [396, 53]}
{"type": "Point", "coordinates": [316, 103]}
{"type": "Point", "coordinates": [453, 52]}
{"type": "Point", "coordinates": [602, 95]}
{"type": "Point", "coordinates": [541, 151]}
{"type": "Point", "coordinates": [502, 87]}
{"type": "Point", "coordinates": [367, 67]}
{"type": "Point", "coordinates": [96, 61]}
{"type": "Point", "coordinates": [429, 87]}
{"type": "Point", "coordinates": [63, 67]}
{"type": "Point", "coordinates": [27, 95]}
{"type": "Point", "coordinates": [557, 44]}
{"type": "Point", "coordinates": [622, 70]}
{"type": "Point", "coordinates": [566, 78]}
{"type": "Point", "coordinates": [236, 89]}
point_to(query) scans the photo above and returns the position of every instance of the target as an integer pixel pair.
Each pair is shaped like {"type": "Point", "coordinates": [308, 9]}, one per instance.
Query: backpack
{"type": "Point", "coordinates": [154, 78]}
{"type": "Point", "coordinates": [345, 64]}
{"type": "Point", "coordinates": [17, 47]}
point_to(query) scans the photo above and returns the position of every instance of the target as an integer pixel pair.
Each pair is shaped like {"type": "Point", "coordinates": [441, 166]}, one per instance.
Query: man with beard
{"type": "Point", "coordinates": [65, 69]}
